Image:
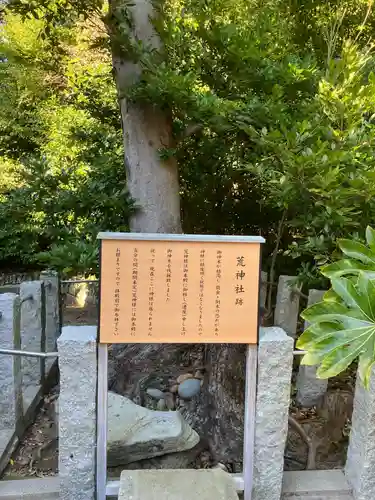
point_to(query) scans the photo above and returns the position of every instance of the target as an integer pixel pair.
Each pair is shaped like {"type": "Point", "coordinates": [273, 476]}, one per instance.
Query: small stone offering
{"type": "Point", "coordinates": [189, 388]}
{"type": "Point", "coordinates": [155, 393]}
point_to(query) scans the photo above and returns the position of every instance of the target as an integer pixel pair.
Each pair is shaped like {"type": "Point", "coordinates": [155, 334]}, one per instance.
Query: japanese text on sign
{"type": "Point", "coordinates": [179, 291]}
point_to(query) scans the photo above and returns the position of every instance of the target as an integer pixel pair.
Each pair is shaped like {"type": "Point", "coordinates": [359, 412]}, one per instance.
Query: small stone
{"type": "Point", "coordinates": [155, 393]}
{"type": "Point", "coordinates": [183, 377]}
{"type": "Point", "coordinates": [161, 405]}
{"type": "Point", "coordinates": [169, 401]}
{"type": "Point", "coordinates": [189, 388]}
{"type": "Point", "coordinates": [220, 466]}
{"type": "Point", "coordinates": [173, 389]}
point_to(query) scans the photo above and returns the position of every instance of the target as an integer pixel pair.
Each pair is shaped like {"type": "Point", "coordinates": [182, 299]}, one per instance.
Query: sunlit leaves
{"type": "Point", "coordinates": [342, 327]}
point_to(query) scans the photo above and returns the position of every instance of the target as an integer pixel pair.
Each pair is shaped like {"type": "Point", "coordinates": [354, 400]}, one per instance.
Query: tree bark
{"type": "Point", "coordinates": [152, 182]}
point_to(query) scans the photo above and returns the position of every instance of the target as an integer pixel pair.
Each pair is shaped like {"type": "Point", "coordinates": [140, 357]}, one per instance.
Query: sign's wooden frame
{"type": "Point", "coordinates": [251, 370]}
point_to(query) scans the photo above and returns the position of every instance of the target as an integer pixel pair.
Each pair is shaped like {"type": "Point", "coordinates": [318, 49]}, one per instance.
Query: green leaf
{"type": "Point", "coordinates": [370, 238]}
{"type": "Point", "coordinates": [339, 359]}
{"type": "Point", "coordinates": [357, 250]}
{"type": "Point", "coordinates": [346, 267]}
{"type": "Point", "coordinates": [331, 296]}
{"type": "Point", "coordinates": [345, 289]}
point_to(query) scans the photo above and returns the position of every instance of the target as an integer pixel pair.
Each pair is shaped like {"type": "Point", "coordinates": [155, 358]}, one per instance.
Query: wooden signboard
{"type": "Point", "coordinates": [179, 288]}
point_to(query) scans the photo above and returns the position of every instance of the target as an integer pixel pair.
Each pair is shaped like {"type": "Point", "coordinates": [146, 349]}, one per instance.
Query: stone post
{"type": "Point", "coordinates": [360, 463]}
{"type": "Point", "coordinates": [287, 306]}
{"type": "Point", "coordinates": [11, 405]}
{"type": "Point", "coordinates": [77, 412]}
{"type": "Point", "coordinates": [53, 320]}
{"type": "Point", "coordinates": [31, 336]}
{"type": "Point", "coordinates": [310, 390]}
{"type": "Point", "coordinates": [275, 360]}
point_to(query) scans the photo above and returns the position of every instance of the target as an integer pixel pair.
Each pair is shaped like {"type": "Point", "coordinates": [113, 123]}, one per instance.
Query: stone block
{"type": "Point", "coordinates": [275, 359]}
{"type": "Point", "coordinates": [31, 331]}
{"type": "Point", "coordinates": [310, 389]}
{"type": "Point", "coordinates": [9, 375]}
{"type": "Point", "coordinates": [360, 464]}
{"type": "Point", "coordinates": [287, 306]}
{"type": "Point", "coordinates": [53, 320]}
{"type": "Point", "coordinates": [188, 484]}
{"type": "Point", "coordinates": [77, 412]}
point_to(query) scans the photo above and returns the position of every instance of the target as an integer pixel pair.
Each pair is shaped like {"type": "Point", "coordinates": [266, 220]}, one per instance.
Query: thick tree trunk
{"type": "Point", "coordinates": [152, 182]}
{"type": "Point", "coordinates": [217, 413]}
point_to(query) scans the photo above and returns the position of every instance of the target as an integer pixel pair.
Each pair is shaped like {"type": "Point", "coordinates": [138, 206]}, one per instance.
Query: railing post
{"type": "Point", "coordinates": [360, 464]}
{"type": "Point", "coordinates": [11, 401]}
{"type": "Point", "coordinates": [31, 336]}
{"type": "Point", "coordinates": [77, 412]}
{"type": "Point", "coordinates": [53, 312]}
{"type": "Point", "coordinates": [275, 360]}
{"type": "Point", "coordinates": [287, 306]}
{"type": "Point", "coordinates": [310, 389]}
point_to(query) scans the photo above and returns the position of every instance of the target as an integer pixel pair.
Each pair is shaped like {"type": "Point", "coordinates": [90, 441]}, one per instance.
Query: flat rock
{"type": "Point", "coordinates": [136, 433]}
{"type": "Point", "coordinates": [209, 484]}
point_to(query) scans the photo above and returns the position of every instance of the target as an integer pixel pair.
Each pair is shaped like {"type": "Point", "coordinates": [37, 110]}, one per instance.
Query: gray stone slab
{"type": "Point", "coordinates": [275, 359]}
{"type": "Point", "coordinates": [77, 412]}
{"type": "Point", "coordinates": [30, 489]}
{"type": "Point", "coordinates": [360, 464]}
{"type": "Point", "coordinates": [316, 484]}
{"type": "Point", "coordinates": [31, 330]}
{"type": "Point", "coordinates": [310, 389]}
{"type": "Point", "coordinates": [188, 484]}
{"type": "Point", "coordinates": [287, 306]}
{"type": "Point", "coordinates": [52, 292]}
{"type": "Point", "coordinates": [8, 305]}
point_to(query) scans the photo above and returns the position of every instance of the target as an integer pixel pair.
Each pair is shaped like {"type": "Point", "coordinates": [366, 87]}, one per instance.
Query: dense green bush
{"type": "Point", "coordinates": [61, 150]}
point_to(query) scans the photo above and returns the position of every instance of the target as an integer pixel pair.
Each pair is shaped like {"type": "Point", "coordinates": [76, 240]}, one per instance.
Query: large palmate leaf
{"type": "Point", "coordinates": [342, 328]}
{"type": "Point", "coordinates": [358, 258]}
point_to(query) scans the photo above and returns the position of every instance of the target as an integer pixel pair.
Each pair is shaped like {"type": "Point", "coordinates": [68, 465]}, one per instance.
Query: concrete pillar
{"type": "Point", "coordinates": [310, 390]}
{"type": "Point", "coordinates": [11, 408]}
{"type": "Point", "coordinates": [31, 335]}
{"type": "Point", "coordinates": [275, 360]}
{"type": "Point", "coordinates": [53, 320]}
{"type": "Point", "coordinates": [77, 412]}
{"type": "Point", "coordinates": [287, 306]}
{"type": "Point", "coordinates": [360, 463]}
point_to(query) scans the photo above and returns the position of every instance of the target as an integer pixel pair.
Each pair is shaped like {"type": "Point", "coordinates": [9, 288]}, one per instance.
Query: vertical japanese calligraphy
{"type": "Point", "coordinates": [185, 281]}
{"type": "Point", "coordinates": [116, 311]}
{"type": "Point", "coordinates": [151, 293]}
{"type": "Point", "coordinates": [201, 289]}
{"type": "Point", "coordinates": [219, 254]}
{"type": "Point", "coordinates": [240, 275]}
{"type": "Point", "coordinates": [169, 274]}
{"type": "Point", "coordinates": [133, 327]}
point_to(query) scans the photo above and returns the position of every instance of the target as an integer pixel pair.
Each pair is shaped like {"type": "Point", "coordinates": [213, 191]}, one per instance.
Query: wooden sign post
{"type": "Point", "coordinates": [178, 289]}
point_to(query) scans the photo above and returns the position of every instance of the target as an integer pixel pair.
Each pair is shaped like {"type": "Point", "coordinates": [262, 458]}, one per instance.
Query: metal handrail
{"type": "Point", "coordinates": [64, 282]}
{"type": "Point", "coordinates": [15, 352]}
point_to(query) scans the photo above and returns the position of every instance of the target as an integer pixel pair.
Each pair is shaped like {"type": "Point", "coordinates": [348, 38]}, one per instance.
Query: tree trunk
{"type": "Point", "coordinates": [218, 412]}
{"type": "Point", "coordinates": [152, 182]}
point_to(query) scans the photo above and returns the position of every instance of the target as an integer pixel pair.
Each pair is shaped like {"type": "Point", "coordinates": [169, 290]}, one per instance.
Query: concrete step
{"type": "Point", "coordinates": [206, 484]}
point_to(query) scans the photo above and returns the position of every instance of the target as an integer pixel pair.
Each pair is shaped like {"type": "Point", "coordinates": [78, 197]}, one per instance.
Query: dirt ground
{"type": "Point", "coordinates": [327, 427]}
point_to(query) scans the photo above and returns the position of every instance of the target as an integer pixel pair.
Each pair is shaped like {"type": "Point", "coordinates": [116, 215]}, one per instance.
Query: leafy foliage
{"type": "Point", "coordinates": [343, 324]}
{"type": "Point", "coordinates": [272, 105]}
{"type": "Point", "coordinates": [62, 159]}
